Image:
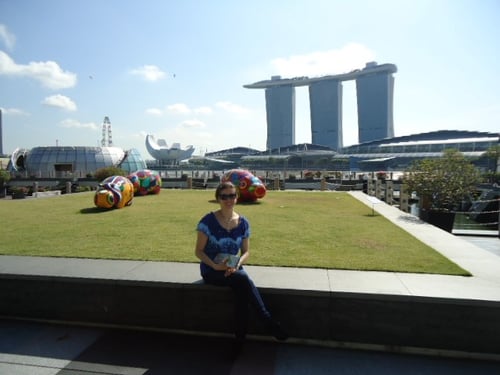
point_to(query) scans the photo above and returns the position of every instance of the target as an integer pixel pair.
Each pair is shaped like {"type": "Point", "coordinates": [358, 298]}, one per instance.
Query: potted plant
{"type": "Point", "coordinates": [441, 185]}
{"type": "Point", "coordinates": [19, 192]}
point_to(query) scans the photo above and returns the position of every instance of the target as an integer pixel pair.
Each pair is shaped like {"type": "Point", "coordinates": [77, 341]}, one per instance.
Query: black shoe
{"type": "Point", "coordinates": [278, 332]}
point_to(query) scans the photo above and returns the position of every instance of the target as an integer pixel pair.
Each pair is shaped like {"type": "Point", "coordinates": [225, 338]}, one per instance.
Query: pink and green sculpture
{"type": "Point", "coordinates": [250, 188]}
{"type": "Point", "coordinates": [145, 182]}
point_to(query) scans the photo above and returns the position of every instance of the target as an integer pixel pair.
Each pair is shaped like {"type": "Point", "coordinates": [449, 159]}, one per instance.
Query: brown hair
{"type": "Point", "coordinates": [223, 186]}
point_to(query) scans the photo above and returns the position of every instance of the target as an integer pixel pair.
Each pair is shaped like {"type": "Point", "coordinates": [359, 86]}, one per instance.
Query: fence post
{"type": "Point", "coordinates": [389, 192]}
{"type": "Point", "coordinates": [371, 187]}
{"type": "Point", "coordinates": [404, 198]}
{"type": "Point", "coordinates": [378, 188]}
{"type": "Point", "coordinates": [276, 183]}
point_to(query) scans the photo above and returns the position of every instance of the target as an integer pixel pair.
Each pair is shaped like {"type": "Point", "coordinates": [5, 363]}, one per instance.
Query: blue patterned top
{"type": "Point", "coordinates": [220, 240]}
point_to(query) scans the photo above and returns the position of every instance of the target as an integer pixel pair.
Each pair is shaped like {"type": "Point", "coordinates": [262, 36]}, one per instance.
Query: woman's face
{"type": "Point", "coordinates": [227, 197]}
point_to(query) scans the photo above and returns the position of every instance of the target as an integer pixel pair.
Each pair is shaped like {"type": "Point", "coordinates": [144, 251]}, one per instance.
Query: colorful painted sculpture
{"type": "Point", "coordinates": [114, 192]}
{"type": "Point", "coordinates": [145, 182]}
{"type": "Point", "coordinates": [250, 188]}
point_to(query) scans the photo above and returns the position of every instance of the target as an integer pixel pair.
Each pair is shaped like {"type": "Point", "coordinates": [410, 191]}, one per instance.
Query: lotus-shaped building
{"type": "Point", "coordinates": [159, 150]}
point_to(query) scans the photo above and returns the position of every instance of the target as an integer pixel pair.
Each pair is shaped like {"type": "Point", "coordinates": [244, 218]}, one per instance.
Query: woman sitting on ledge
{"type": "Point", "coordinates": [222, 234]}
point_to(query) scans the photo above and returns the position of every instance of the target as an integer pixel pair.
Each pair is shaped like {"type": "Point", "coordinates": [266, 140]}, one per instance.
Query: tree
{"type": "Point", "coordinates": [493, 157]}
{"type": "Point", "coordinates": [442, 183]}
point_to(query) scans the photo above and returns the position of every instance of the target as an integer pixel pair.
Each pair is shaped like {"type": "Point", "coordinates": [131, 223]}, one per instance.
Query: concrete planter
{"type": "Point", "coordinates": [440, 219]}
{"type": "Point", "coordinates": [18, 195]}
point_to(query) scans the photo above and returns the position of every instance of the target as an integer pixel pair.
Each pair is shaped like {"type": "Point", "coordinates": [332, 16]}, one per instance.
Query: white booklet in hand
{"type": "Point", "coordinates": [232, 260]}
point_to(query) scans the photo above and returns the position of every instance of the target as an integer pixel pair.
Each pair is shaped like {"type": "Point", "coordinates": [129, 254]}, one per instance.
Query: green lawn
{"type": "Point", "coordinates": [302, 229]}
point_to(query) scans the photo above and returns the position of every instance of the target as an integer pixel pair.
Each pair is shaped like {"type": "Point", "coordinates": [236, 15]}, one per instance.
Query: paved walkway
{"type": "Point", "coordinates": [39, 349]}
{"type": "Point", "coordinates": [43, 349]}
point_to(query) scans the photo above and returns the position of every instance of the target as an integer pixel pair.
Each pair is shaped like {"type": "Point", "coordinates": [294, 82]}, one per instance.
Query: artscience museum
{"type": "Point", "coordinates": [165, 155]}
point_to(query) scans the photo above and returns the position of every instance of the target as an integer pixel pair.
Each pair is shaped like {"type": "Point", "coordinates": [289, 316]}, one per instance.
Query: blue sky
{"type": "Point", "coordinates": [176, 69]}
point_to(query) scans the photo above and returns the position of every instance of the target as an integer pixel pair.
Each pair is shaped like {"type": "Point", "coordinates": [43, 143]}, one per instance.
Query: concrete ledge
{"type": "Point", "coordinates": [312, 185]}
{"type": "Point", "coordinates": [42, 194]}
{"type": "Point", "coordinates": [175, 184]}
{"type": "Point", "coordinates": [393, 321]}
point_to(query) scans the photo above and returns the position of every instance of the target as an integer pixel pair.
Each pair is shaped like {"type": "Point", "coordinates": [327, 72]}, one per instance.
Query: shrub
{"type": "Point", "coordinates": [106, 172]}
{"type": "Point", "coordinates": [20, 190]}
{"type": "Point", "coordinates": [5, 175]}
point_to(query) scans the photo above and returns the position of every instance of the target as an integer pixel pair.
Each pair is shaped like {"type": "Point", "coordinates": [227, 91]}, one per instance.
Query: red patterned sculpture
{"type": "Point", "coordinates": [250, 188]}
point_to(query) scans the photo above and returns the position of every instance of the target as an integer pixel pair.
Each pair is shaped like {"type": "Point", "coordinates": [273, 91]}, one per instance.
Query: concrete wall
{"type": "Point", "coordinates": [389, 321]}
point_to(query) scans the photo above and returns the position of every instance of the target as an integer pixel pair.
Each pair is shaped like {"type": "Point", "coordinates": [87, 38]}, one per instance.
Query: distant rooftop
{"type": "Point", "coordinates": [439, 136]}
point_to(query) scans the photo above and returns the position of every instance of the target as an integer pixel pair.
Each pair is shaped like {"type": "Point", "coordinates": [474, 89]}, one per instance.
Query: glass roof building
{"type": "Point", "coordinates": [388, 154]}
{"type": "Point", "coordinates": [72, 161]}
{"type": "Point", "coordinates": [399, 152]}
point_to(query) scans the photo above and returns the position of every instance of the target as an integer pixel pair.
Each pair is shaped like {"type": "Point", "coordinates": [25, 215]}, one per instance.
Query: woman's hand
{"type": "Point", "coordinates": [220, 266]}
{"type": "Point", "coordinates": [230, 271]}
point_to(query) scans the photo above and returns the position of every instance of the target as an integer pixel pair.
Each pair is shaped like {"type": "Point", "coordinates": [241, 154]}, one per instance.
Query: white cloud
{"type": "Point", "coordinates": [203, 110]}
{"type": "Point", "coordinates": [343, 60]}
{"type": "Point", "coordinates": [149, 72]}
{"type": "Point", "coordinates": [13, 112]}
{"type": "Point", "coordinates": [48, 73]}
{"type": "Point", "coordinates": [192, 124]}
{"type": "Point", "coordinates": [154, 112]}
{"type": "Point", "coordinates": [71, 123]}
{"type": "Point", "coordinates": [6, 37]}
{"type": "Point", "coordinates": [231, 107]}
{"type": "Point", "coordinates": [179, 108]}
{"type": "Point", "coordinates": [60, 101]}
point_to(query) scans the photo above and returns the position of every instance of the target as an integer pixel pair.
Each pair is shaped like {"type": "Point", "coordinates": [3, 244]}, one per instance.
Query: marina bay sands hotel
{"type": "Point", "coordinates": [374, 92]}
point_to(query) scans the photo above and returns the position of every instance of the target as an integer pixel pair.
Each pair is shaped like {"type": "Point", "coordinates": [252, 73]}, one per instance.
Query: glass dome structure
{"type": "Point", "coordinates": [73, 161]}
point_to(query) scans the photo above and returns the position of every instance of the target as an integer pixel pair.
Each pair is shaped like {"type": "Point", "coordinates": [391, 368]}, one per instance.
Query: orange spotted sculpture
{"type": "Point", "coordinates": [250, 188]}
{"type": "Point", "coordinates": [114, 192]}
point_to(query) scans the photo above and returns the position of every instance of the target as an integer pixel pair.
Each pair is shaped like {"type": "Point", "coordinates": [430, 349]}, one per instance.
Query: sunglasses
{"type": "Point", "coordinates": [225, 197]}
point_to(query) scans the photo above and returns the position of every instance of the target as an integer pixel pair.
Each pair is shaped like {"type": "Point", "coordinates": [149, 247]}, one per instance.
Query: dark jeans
{"type": "Point", "coordinates": [245, 293]}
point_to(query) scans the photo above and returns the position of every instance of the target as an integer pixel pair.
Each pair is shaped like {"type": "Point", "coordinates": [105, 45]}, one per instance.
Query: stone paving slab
{"type": "Point", "coordinates": [290, 278]}
{"type": "Point", "coordinates": [66, 267]}
{"type": "Point", "coordinates": [164, 272]}
{"type": "Point", "coordinates": [443, 286]}
{"type": "Point", "coordinates": [367, 282]}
